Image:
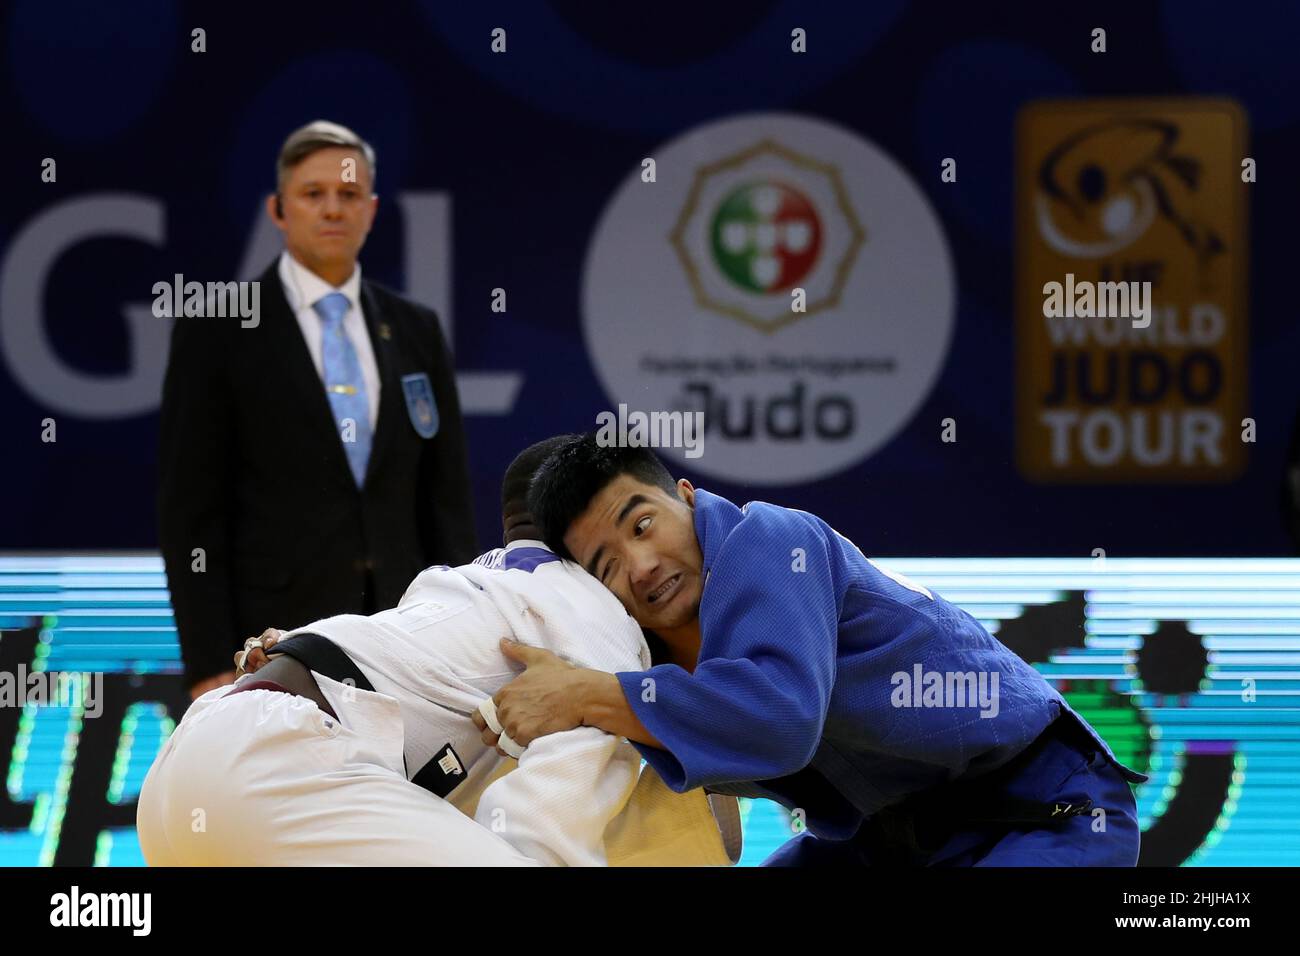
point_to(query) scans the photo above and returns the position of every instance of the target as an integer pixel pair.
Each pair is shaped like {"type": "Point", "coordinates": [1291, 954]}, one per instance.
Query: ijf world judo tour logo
{"type": "Point", "coordinates": [1122, 201]}
{"type": "Point", "coordinates": [784, 277]}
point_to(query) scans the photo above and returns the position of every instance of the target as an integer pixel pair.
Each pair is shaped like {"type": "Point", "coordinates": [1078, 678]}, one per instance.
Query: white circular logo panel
{"type": "Point", "coordinates": [783, 276]}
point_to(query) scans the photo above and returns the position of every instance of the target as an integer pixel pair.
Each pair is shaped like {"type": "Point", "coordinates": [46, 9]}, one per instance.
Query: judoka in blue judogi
{"type": "Point", "coordinates": [889, 721]}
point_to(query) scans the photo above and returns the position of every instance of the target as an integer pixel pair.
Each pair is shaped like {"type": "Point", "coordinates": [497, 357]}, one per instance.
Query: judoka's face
{"type": "Point", "coordinates": [639, 541]}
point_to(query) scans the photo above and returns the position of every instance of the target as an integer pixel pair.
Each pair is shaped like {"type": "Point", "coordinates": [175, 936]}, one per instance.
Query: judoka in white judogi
{"type": "Point", "coordinates": [266, 778]}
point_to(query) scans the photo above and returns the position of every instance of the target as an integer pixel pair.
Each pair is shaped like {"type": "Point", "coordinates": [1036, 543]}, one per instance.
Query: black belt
{"type": "Point", "coordinates": [318, 653]}
{"type": "Point", "coordinates": [910, 832]}
{"type": "Point", "coordinates": [441, 775]}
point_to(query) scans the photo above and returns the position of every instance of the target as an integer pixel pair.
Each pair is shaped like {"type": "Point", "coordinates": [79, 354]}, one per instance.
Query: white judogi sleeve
{"type": "Point", "coordinates": [567, 789]}
{"type": "Point", "coordinates": [580, 797]}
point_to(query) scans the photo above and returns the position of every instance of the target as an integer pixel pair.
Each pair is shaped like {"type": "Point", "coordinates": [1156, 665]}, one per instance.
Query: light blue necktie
{"type": "Point", "coordinates": [343, 382]}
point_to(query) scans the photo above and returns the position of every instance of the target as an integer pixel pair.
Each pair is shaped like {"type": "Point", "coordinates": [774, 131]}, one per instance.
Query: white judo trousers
{"type": "Point", "coordinates": [265, 778]}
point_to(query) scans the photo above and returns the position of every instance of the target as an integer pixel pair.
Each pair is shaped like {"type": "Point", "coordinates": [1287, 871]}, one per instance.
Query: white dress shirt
{"type": "Point", "coordinates": [303, 288]}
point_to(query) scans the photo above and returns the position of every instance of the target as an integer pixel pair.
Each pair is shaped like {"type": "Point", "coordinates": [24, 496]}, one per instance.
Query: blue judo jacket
{"type": "Point", "coordinates": [829, 684]}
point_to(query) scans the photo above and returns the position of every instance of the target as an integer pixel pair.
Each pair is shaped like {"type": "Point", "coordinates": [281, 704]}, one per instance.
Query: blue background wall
{"type": "Point", "coordinates": [530, 146]}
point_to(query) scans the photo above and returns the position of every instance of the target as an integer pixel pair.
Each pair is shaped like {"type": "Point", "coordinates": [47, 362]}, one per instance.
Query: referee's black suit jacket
{"type": "Point", "coordinates": [253, 472]}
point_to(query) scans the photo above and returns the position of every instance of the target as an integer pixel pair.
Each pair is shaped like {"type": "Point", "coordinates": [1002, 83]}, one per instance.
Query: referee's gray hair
{"type": "Point", "coordinates": [315, 136]}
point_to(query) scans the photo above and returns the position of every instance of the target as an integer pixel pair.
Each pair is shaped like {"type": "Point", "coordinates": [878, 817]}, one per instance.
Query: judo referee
{"type": "Point", "coordinates": [787, 658]}
{"type": "Point", "coordinates": [354, 744]}
{"type": "Point", "coordinates": [311, 464]}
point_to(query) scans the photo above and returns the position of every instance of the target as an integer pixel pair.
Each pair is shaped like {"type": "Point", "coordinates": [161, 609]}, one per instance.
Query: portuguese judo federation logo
{"type": "Point", "coordinates": [748, 284]}
{"type": "Point", "coordinates": [782, 222]}
{"type": "Point", "coordinates": [766, 236]}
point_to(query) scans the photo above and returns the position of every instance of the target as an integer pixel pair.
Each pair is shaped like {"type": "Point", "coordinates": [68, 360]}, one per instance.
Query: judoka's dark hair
{"type": "Point", "coordinates": [576, 472]}
{"type": "Point", "coordinates": [519, 474]}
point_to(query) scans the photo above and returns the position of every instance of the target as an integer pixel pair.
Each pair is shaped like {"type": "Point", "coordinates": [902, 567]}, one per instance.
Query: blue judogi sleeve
{"type": "Point", "coordinates": [755, 706]}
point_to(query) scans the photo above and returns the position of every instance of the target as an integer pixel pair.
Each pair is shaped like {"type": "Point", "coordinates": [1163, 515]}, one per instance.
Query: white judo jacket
{"type": "Point", "coordinates": [577, 797]}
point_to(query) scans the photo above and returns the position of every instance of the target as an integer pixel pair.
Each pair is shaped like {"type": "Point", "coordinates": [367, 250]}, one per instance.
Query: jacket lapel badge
{"type": "Point", "coordinates": [420, 404]}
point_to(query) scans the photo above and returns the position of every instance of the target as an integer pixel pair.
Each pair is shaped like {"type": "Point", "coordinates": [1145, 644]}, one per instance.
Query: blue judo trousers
{"type": "Point", "coordinates": [888, 720]}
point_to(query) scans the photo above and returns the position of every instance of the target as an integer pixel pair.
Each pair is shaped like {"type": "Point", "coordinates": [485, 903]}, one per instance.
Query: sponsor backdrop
{"type": "Point", "coordinates": [909, 183]}
{"type": "Point", "coordinates": [821, 171]}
